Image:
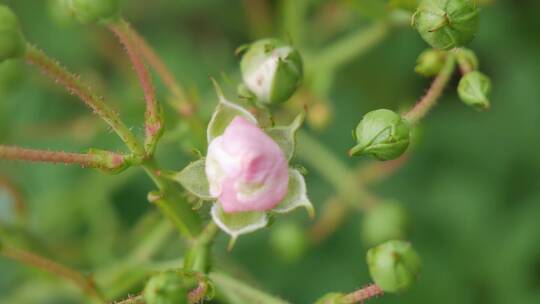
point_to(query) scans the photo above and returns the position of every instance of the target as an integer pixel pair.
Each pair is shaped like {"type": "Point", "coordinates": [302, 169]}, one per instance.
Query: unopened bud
{"type": "Point", "coordinates": [12, 42]}
{"type": "Point", "coordinates": [446, 24]}
{"type": "Point", "coordinates": [394, 266]}
{"type": "Point", "coordinates": [383, 134]}
{"type": "Point", "coordinates": [88, 11]}
{"type": "Point", "coordinates": [474, 89]}
{"type": "Point", "coordinates": [288, 241]}
{"type": "Point", "coordinates": [272, 70]}
{"type": "Point", "coordinates": [430, 62]}
{"type": "Point", "coordinates": [385, 221]}
{"type": "Point", "coordinates": [168, 288]}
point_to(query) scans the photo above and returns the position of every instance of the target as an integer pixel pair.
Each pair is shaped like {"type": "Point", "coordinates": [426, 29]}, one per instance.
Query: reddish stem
{"type": "Point", "coordinates": [434, 92]}
{"type": "Point", "coordinates": [31, 259]}
{"type": "Point", "coordinates": [153, 120]}
{"type": "Point", "coordinates": [82, 159]}
{"type": "Point", "coordinates": [360, 295]}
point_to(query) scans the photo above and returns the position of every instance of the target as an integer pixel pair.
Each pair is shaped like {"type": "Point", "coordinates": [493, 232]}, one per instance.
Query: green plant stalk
{"type": "Point", "coordinates": [172, 204]}
{"type": "Point", "coordinates": [198, 257]}
{"type": "Point", "coordinates": [334, 171]}
{"type": "Point", "coordinates": [351, 46]}
{"type": "Point", "coordinates": [75, 86]}
{"type": "Point", "coordinates": [234, 291]}
{"type": "Point", "coordinates": [429, 100]}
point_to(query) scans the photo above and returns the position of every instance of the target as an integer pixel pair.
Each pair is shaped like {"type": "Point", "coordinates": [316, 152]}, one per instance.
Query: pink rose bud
{"type": "Point", "coordinates": [246, 169]}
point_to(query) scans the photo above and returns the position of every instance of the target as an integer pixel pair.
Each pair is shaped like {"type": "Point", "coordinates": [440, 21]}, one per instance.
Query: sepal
{"type": "Point", "coordinates": [193, 179]}
{"type": "Point", "coordinates": [285, 136]}
{"type": "Point", "coordinates": [238, 223]}
{"type": "Point", "coordinates": [224, 113]}
{"type": "Point", "coordinates": [296, 195]}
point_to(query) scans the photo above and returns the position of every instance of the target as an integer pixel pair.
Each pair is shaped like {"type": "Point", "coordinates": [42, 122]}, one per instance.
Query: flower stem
{"type": "Point", "coordinates": [334, 171]}
{"type": "Point", "coordinates": [434, 92]}
{"type": "Point", "coordinates": [162, 71]}
{"type": "Point", "coordinates": [351, 46]}
{"type": "Point", "coordinates": [172, 203]}
{"type": "Point", "coordinates": [360, 295]}
{"type": "Point", "coordinates": [234, 291]}
{"type": "Point", "coordinates": [198, 257]}
{"type": "Point", "coordinates": [31, 259]}
{"type": "Point", "coordinates": [75, 86]}
{"type": "Point", "coordinates": [153, 117]}
{"type": "Point", "coordinates": [85, 160]}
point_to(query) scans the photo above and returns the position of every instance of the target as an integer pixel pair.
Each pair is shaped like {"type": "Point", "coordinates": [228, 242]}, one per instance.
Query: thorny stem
{"type": "Point", "coordinates": [85, 160]}
{"type": "Point", "coordinates": [360, 295]}
{"type": "Point", "coordinates": [75, 86]}
{"type": "Point", "coordinates": [434, 92]}
{"type": "Point", "coordinates": [153, 117]}
{"type": "Point", "coordinates": [180, 101]}
{"type": "Point", "coordinates": [31, 259]}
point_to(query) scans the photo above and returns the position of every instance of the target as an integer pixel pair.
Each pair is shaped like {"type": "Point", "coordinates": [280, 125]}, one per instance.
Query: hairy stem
{"type": "Point", "coordinates": [75, 86]}
{"type": "Point", "coordinates": [360, 295]}
{"type": "Point", "coordinates": [162, 71]}
{"type": "Point", "coordinates": [434, 92]}
{"type": "Point", "coordinates": [153, 117]}
{"type": "Point", "coordinates": [85, 160]}
{"type": "Point", "coordinates": [31, 259]}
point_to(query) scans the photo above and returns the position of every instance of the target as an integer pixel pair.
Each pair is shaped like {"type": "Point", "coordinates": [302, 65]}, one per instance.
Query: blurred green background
{"type": "Point", "coordinates": [471, 185]}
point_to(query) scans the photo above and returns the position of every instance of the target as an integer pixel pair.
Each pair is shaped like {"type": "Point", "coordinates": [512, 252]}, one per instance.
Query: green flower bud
{"type": "Point", "coordinates": [394, 266]}
{"type": "Point", "coordinates": [383, 134]}
{"type": "Point", "coordinates": [288, 241]}
{"type": "Point", "coordinates": [88, 11]}
{"type": "Point", "coordinates": [474, 88]}
{"type": "Point", "coordinates": [467, 57]}
{"type": "Point", "coordinates": [446, 24]}
{"type": "Point", "coordinates": [60, 12]}
{"type": "Point", "coordinates": [386, 221]}
{"type": "Point", "coordinates": [168, 288]}
{"type": "Point", "coordinates": [12, 42]}
{"type": "Point", "coordinates": [430, 62]}
{"type": "Point", "coordinates": [272, 70]}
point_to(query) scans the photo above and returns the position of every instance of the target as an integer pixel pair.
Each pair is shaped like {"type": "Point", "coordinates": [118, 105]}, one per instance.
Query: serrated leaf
{"type": "Point", "coordinates": [193, 179]}
{"type": "Point", "coordinates": [224, 113]}
{"type": "Point", "coordinates": [285, 136]}
{"type": "Point", "coordinates": [296, 195]}
{"type": "Point", "coordinates": [238, 223]}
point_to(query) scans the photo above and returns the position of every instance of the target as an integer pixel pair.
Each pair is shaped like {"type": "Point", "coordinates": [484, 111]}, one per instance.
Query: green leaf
{"type": "Point", "coordinates": [193, 179]}
{"type": "Point", "coordinates": [238, 223]}
{"type": "Point", "coordinates": [285, 136]}
{"type": "Point", "coordinates": [224, 113]}
{"type": "Point", "coordinates": [296, 196]}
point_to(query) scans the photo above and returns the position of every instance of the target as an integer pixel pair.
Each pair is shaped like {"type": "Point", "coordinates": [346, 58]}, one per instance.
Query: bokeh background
{"type": "Point", "coordinates": [471, 185]}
